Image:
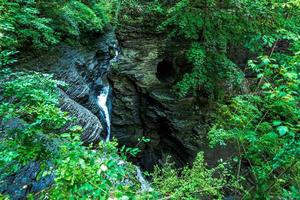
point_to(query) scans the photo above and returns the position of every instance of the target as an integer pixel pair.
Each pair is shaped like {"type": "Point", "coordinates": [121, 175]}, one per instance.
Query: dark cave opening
{"type": "Point", "coordinates": [166, 71]}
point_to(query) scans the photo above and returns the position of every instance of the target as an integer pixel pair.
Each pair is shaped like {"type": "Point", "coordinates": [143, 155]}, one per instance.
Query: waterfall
{"type": "Point", "coordinates": [145, 185]}
{"type": "Point", "coordinates": [103, 97]}
{"type": "Point", "coordinates": [116, 56]}
{"type": "Point", "coordinates": [102, 103]}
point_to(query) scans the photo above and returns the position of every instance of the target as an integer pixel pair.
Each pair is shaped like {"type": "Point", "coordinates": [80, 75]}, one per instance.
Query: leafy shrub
{"type": "Point", "coordinates": [80, 17]}
{"type": "Point", "coordinates": [20, 23]}
{"type": "Point", "coordinates": [6, 58]}
{"type": "Point", "coordinates": [265, 126]}
{"type": "Point", "coordinates": [145, 13]}
{"type": "Point", "coordinates": [186, 18]}
{"type": "Point", "coordinates": [207, 72]}
{"type": "Point", "coordinates": [42, 24]}
{"type": "Point", "coordinates": [85, 173]}
{"type": "Point", "coordinates": [213, 27]}
{"type": "Point", "coordinates": [30, 101]}
{"type": "Point", "coordinates": [33, 129]}
{"type": "Point", "coordinates": [197, 182]}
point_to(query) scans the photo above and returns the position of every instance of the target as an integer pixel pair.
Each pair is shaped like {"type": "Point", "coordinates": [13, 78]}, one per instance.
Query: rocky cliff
{"type": "Point", "coordinates": [142, 101]}
{"type": "Point", "coordinates": [145, 105]}
{"type": "Point", "coordinates": [84, 67]}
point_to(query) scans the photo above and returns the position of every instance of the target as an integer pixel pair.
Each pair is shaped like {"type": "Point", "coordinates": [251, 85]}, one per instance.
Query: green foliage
{"type": "Point", "coordinates": [133, 151]}
{"type": "Point", "coordinates": [85, 173]}
{"type": "Point", "coordinates": [4, 197]}
{"type": "Point", "coordinates": [197, 182]}
{"type": "Point", "coordinates": [214, 27]}
{"type": "Point", "coordinates": [33, 128]}
{"type": "Point", "coordinates": [207, 71]}
{"type": "Point", "coordinates": [187, 17]}
{"type": "Point", "coordinates": [266, 128]}
{"type": "Point", "coordinates": [30, 100]}
{"type": "Point", "coordinates": [40, 24]}
{"type": "Point", "coordinates": [80, 17]}
{"type": "Point", "coordinates": [31, 89]}
{"type": "Point", "coordinates": [192, 80]}
{"type": "Point", "coordinates": [20, 23]}
{"type": "Point", "coordinates": [140, 12]}
{"type": "Point", "coordinates": [6, 58]}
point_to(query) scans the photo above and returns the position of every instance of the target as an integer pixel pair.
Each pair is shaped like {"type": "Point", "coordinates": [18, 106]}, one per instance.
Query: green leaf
{"type": "Point", "coordinates": [282, 130]}
{"type": "Point", "coordinates": [276, 123]}
{"type": "Point", "coordinates": [76, 128]}
{"type": "Point", "coordinates": [260, 75]}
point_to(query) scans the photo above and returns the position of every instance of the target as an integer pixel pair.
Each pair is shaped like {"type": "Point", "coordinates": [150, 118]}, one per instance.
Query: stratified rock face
{"type": "Point", "coordinates": [83, 67]}
{"type": "Point", "coordinates": [91, 125]}
{"type": "Point", "coordinates": [143, 104]}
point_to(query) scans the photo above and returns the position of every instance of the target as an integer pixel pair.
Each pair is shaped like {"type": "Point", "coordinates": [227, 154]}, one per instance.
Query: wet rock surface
{"type": "Point", "coordinates": [92, 128]}
{"type": "Point", "coordinates": [84, 68]}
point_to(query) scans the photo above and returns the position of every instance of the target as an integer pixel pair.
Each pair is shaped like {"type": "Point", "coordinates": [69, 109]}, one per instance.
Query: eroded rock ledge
{"type": "Point", "coordinates": [83, 67]}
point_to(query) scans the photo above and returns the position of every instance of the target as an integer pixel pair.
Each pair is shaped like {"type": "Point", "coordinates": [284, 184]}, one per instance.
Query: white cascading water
{"type": "Point", "coordinates": [145, 186]}
{"type": "Point", "coordinates": [102, 103]}
{"type": "Point", "coordinates": [116, 56]}
{"type": "Point", "coordinates": [104, 93]}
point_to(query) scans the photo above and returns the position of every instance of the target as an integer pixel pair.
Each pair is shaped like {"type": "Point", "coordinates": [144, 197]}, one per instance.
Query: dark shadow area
{"type": "Point", "coordinates": [168, 145]}
{"type": "Point", "coordinates": [166, 71]}
{"type": "Point", "coordinates": [172, 145]}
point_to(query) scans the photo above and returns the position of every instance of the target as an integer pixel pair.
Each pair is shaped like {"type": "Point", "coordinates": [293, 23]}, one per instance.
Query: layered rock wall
{"type": "Point", "coordinates": [145, 105]}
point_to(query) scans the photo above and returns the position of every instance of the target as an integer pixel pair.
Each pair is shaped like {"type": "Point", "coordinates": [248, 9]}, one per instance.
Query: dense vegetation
{"type": "Point", "coordinates": [40, 133]}
{"type": "Point", "coordinates": [265, 127]}
{"type": "Point", "coordinates": [40, 24]}
{"type": "Point", "coordinates": [45, 23]}
{"type": "Point", "coordinates": [214, 27]}
{"type": "Point", "coordinates": [263, 123]}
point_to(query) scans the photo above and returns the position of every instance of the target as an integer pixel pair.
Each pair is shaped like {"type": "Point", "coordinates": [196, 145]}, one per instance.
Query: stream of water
{"type": "Point", "coordinates": [103, 97]}
{"type": "Point", "coordinates": [145, 185]}
{"type": "Point", "coordinates": [102, 103]}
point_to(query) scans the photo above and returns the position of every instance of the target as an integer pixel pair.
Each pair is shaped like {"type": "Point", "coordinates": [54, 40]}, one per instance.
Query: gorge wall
{"type": "Point", "coordinates": [145, 105]}
{"type": "Point", "coordinates": [84, 68]}
{"type": "Point", "coordinates": [141, 101]}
